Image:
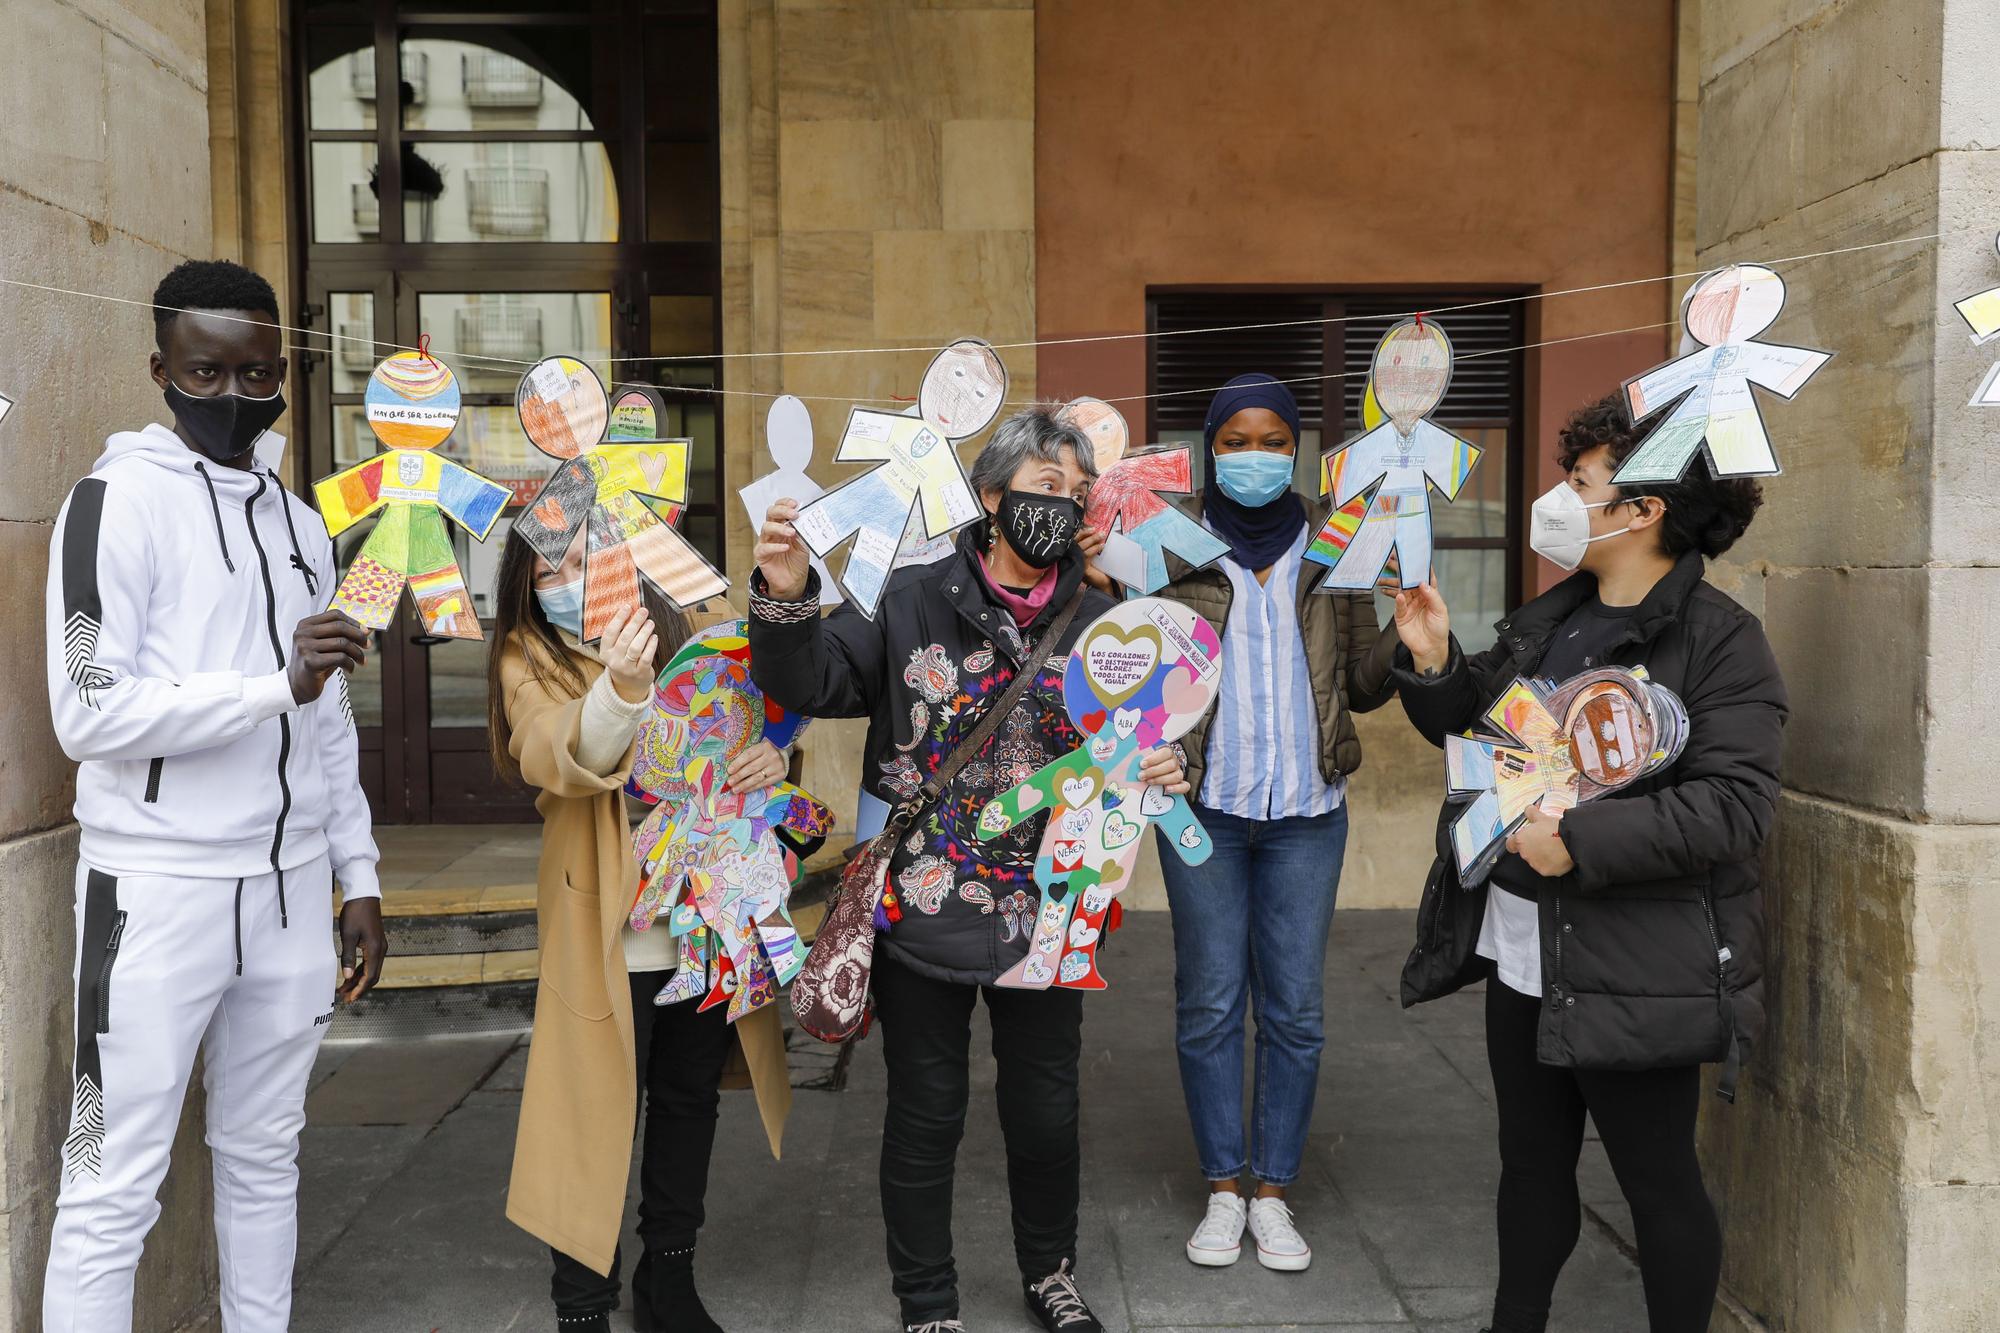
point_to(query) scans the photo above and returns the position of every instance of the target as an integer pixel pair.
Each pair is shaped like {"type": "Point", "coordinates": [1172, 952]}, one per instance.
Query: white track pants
{"type": "Point", "coordinates": [157, 978]}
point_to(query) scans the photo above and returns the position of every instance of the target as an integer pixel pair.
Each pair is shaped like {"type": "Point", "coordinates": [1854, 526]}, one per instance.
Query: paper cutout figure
{"type": "Point", "coordinates": [1139, 527]}
{"type": "Point", "coordinates": [1981, 314]}
{"type": "Point", "coordinates": [1555, 746]}
{"type": "Point", "coordinates": [716, 866]}
{"type": "Point", "coordinates": [1348, 517]}
{"type": "Point", "coordinates": [788, 434]}
{"type": "Point", "coordinates": [1102, 424]}
{"type": "Point", "coordinates": [1402, 459]}
{"type": "Point", "coordinates": [1708, 389]}
{"type": "Point", "coordinates": [6, 406]}
{"type": "Point", "coordinates": [1140, 675]}
{"type": "Point", "coordinates": [412, 404]}
{"type": "Point", "coordinates": [920, 470]}
{"type": "Point", "coordinates": [609, 490]}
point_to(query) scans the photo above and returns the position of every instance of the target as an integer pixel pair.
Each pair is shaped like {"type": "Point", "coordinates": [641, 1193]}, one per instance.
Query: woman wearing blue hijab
{"type": "Point", "coordinates": [1269, 771]}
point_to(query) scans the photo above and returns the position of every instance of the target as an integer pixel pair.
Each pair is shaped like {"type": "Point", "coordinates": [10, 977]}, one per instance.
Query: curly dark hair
{"type": "Point", "coordinates": [1704, 512]}
{"type": "Point", "coordinates": [209, 284]}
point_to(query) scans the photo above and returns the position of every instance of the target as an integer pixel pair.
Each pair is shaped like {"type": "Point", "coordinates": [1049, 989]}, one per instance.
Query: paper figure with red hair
{"type": "Point", "coordinates": [1139, 527]}
{"type": "Point", "coordinates": [1140, 675]}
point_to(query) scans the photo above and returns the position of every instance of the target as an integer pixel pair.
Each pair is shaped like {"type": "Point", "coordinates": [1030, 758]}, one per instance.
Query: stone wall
{"type": "Point", "coordinates": [1859, 1173]}
{"type": "Point", "coordinates": [104, 183]}
{"type": "Point", "coordinates": [878, 190]}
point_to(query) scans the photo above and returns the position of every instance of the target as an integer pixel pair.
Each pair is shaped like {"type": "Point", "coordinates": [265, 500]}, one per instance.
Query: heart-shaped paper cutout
{"type": "Point", "coordinates": [1126, 721]}
{"type": "Point", "coordinates": [1078, 792]}
{"type": "Point", "coordinates": [1037, 973]}
{"type": "Point", "coordinates": [1117, 663]}
{"type": "Point", "coordinates": [1067, 854]}
{"type": "Point", "coordinates": [1118, 830]}
{"type": "Point", "coordinates": [1094, 722]}
{"type": "Point", "coordinates": [1076, 966]}
{"type": "Point", "coordinates": [1190, 837]}
{"type": "Point", "coordinates": [1081, 934]}
{"type": "Point", "coordinates": [1154, 802]}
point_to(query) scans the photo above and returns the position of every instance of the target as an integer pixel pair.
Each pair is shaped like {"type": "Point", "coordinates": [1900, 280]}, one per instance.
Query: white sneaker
{"type": "Point", "coordinates": [1218, 1241]}
{"type": "Point", "coordinates": [1279, 1244]}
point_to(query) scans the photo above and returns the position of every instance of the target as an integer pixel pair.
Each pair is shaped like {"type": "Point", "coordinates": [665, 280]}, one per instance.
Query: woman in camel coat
{"type": "Point", "coordinates": [568, 734]}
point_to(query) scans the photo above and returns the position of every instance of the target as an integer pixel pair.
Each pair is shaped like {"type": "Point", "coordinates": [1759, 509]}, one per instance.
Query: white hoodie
{"type": "Point", "coordinates": [174, 586]}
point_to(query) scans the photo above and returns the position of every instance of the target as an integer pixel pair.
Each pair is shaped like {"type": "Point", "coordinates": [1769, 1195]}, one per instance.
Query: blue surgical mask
{"type": "Point", "coordinates": [1254, 477]}
{"type": "Point", "coordinates": [563, 605]}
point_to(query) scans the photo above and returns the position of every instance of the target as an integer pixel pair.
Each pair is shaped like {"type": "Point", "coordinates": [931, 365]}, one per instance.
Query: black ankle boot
{"type": "Point", "coordinates": [1058, 1305]}
{"type": "Point", "coordinates": [663, 1296]}
{"type": "Point", "coordinates": [583, 1323]}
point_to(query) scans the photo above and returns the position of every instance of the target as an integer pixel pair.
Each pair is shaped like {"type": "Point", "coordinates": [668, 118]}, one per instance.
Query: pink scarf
{"type": "Point", "coordinates": [1023, 609]}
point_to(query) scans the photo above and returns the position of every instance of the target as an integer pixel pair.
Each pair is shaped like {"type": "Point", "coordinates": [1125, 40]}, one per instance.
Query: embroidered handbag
{"type": "Point", "coordinates": [831, 999]}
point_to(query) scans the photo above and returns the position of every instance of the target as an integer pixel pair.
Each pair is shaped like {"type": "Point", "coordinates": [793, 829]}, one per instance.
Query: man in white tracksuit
{"type": "Point", "coordinates": [197, 678]}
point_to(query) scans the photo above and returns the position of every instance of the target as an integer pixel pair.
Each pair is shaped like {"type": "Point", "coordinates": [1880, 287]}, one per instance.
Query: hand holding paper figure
{"type": "Point", "coordinates": [919, 470]}
{"type": "Point", "coordinates": [788, 433]}
{"type": "Point", "coordinates": [1401, 459]}
{"type": "Point", "coordinates": [1139, 528]}
{"type": "Point", "coordinates": [1708, 390]}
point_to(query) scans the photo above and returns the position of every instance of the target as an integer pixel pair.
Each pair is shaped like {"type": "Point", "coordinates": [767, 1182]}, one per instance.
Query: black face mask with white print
{"type": "Point", "coordinates": [1039, 527]}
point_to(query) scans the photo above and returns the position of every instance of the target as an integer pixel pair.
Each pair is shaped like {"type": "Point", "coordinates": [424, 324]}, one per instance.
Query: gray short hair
{"type": "Point", "coordinates": [1034, 433]}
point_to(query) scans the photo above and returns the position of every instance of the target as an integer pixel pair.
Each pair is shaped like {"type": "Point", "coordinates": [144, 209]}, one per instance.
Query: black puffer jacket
{"type": "Point", "coordinates": [1667, 870]}
{"type": "Point", "coordinates": [922, 672]}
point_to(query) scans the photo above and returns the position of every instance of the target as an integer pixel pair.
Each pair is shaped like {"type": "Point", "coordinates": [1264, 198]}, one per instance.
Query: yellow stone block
{"type": "Point", "coordinates": [940, 284]}
{"type": "Point", "coordinates": [989, 175]}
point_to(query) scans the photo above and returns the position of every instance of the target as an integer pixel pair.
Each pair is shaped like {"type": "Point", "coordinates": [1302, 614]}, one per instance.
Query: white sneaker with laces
{"type": "Point", "coordinates": [1218, 1241]}
{"type": "Point", "coordinates": [1279, 1244]}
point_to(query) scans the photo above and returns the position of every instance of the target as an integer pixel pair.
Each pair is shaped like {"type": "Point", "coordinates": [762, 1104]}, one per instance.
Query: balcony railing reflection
{"type": "Point", "coordinates": [508, 200]}
{"type": "Point", "coordinates": [493, 79]}
{"type": "Point", "coordinates": [361, 75]}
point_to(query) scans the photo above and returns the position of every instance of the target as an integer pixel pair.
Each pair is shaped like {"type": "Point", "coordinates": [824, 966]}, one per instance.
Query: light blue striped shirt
{"type": "Point", "coordinates": [1263, 747]}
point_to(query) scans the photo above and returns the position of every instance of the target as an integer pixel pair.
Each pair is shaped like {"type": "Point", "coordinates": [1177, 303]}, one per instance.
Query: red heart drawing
{"type": "Point", "coordinates": [1094, 722]}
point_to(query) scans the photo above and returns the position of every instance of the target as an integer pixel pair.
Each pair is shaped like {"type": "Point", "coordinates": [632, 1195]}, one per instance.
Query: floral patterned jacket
{"type": "Point", "coordinates": [922, 672]}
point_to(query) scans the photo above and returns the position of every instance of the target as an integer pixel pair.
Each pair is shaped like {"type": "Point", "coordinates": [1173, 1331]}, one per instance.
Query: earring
{"type": "Point", "coordinates": [992, 532]}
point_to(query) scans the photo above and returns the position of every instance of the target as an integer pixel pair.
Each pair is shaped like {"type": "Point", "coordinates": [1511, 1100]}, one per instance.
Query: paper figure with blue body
{"type": "Point", "coordinates": [1708, 389]}
{"type": "Point", "coordinates": [919, 470]}
{"type": "Point", "coordinates": [412, 404]}
{"type": "Point", "coordinates": [1139, 527]}
{"type": "Point", "coordinates": [1554, 746]}
{"type": "Point", "coordinates": [1981, 314]}
{"type": "Point", "coordinates": [1140, 675]}
{"type": "Point", "coordinates": [716, 866]}
{"type": "Point", "coordinates": [617, 486]}
{"type": "Point", "coordinates": [1402, 459]}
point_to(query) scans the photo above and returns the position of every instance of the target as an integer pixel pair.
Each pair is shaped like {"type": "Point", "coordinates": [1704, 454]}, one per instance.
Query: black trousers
{"type": "Point", "coordinates": [1646, 1120]}
{"type": "Point", "coordinates": [926, 1029]}
{"type": "Point", "coordinates": [680, 1056]}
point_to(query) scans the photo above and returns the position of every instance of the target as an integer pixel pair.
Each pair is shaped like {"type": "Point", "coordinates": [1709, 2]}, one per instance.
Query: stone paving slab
{"type": "Point", "coordinates": [405, 1226]}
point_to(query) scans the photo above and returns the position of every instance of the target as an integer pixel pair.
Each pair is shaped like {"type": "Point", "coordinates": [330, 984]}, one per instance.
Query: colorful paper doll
{"type": "Point", "coordinates": [919, 470]}
{"type": "Point", "coordinates": [1708, 389]}
{"type": "Point", "coordinates": [1981, 314]}
{"type": "Point", "coordinates": [788, 434]}
{"type": "Point", "coordinates": [1140, 675]}
{"type": "Point", "coordinates": [1553, 746]}
{"type": "Point", "coordinates": [412, 404]}
{"type": "Point", "coordinates": [1139, 527]}
{"type": "Point", "coordinates": [1402, 458]}
{"type": "Point", "coordinates": [613, 489]}
{"type": "Point", "coordinates": [716, 866]}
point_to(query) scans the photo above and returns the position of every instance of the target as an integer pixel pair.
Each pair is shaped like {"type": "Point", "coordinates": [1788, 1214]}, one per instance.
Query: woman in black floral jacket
{"type": "Point", "coordinates": [945, 642]}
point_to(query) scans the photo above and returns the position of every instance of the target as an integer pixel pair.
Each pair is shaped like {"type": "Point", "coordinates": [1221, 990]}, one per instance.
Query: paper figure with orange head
{"type": "Point", "coordinates": [1708, 390]}
{"type": "Point", "coordinates": [1139, 527]}
{"type": "Point", "coordinates": [412, 404]}
{"type": "Point", "coordinates": [1554, 746]}
{"type": "Point", "coordinates": [1402, 459]}
{"type": "Point", "coordinates": [919, 470]}
{"type": "Point", "coordinates": [716, 866]}
{"type": "Point", "coordinates": [1140, 675]}
{"type": "Point", "coordinates": [618, 489]}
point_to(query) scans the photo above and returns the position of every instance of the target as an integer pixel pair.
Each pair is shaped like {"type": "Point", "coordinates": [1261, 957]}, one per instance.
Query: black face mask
{"type": "Point", "coordinates": [226, 425]}
{"type": "Point", "coordinates": [1039, 527]}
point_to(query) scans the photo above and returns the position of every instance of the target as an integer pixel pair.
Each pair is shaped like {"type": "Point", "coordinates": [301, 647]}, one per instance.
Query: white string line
{"type": "Point", "coordinates": [467, 358]}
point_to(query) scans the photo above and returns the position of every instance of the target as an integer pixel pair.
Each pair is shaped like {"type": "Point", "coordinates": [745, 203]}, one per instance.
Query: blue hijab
{"type": "Point", "coordinates": [1256, 537]}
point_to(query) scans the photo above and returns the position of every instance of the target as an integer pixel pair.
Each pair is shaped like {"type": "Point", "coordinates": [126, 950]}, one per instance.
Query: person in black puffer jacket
{"type": "Point", "coordinates": [945, 643]}
{"type": "Point", "coordinates": [1621, 941]}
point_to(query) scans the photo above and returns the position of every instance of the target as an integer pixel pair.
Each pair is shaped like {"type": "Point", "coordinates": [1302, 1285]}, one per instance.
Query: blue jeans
{"type": "Point", "coordinates": [1250, 929]}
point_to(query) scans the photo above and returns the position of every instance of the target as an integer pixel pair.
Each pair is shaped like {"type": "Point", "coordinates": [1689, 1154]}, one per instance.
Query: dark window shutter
{"type": "Point", "coordinates": [1189, 367]}
{"type": "Point", "coordinates": [1483, 340]}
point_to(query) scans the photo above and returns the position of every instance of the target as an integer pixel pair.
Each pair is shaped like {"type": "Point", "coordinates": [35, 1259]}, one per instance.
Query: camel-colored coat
{"type": "Point", "coordinates": [573, 1152]}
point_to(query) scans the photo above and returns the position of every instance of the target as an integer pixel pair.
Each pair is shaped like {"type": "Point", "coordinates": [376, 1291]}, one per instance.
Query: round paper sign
{"type": "Point", "coordinates": [1146, 669]}
{"type": "Point", "coordinates": [562, 405]}
{"type": "Point", "coordinates": [412, 401]}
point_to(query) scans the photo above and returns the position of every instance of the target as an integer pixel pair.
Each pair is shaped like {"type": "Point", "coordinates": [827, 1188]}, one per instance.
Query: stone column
{"type": "Point", "coordinates": [1859, 1174]}
{"type": "Point", "coordinates": [104, 179]}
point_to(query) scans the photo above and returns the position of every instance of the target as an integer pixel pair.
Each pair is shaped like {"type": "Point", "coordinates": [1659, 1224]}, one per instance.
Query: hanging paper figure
{"type": "Point", "coordinates": [1139, 527]}
{"type": "Point", "coordinates": [716, 866]}
{"type": "Point", "coordinates": [1140, 675]}
{"type": "Point", "coordinates": [788, 434]}
{"type": "Point", "coordinates": [1403, 458]}
{"type": "Point", "coordinates": [1708, 389]}
{"type": "Point", "coordinates": [6, 406]}
{"type": "Point", "coordinates": [610, 489]}
{"type": "Point", "coordinates": [412, 404]}
{"type": "Point", "coordinates": [1346, 518]}
{"type": "Point", "coordinates": [1554, 746]}
{"type": "Point", "coordinates": [919, 470]}
{"type": "Point", "coordinates": [1981, 314]}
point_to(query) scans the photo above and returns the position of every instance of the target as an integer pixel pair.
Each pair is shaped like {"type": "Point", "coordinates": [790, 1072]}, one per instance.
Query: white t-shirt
{"type": "Point", "coordinates": [1511, 935]}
